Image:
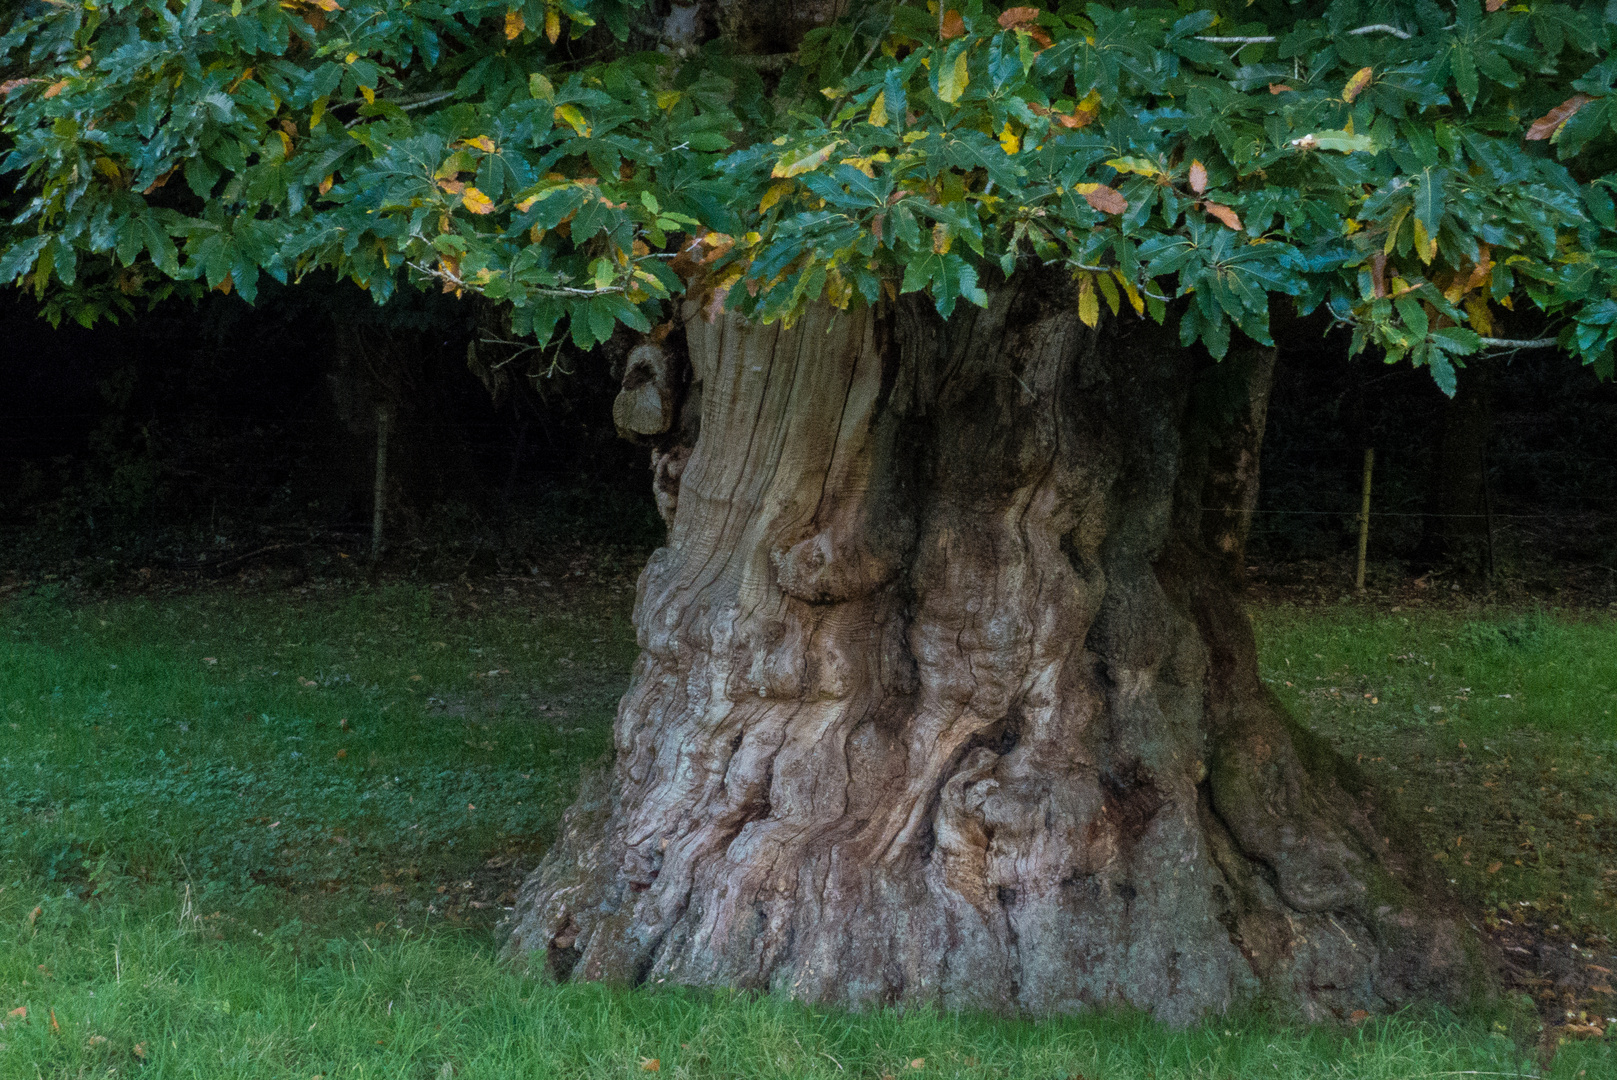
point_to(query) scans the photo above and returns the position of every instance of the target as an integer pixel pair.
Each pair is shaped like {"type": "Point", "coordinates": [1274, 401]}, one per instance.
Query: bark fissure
{"type": "Point", "coordinates": [946, 695]}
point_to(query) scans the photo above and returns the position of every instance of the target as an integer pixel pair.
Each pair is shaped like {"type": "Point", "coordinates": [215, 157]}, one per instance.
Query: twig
{"type": "Point", "coordinates": [874, 45]}
{"type": "Point", "coordinates": [768, 61]}
{"type": "Point", "coordinates": [547, 290]}
{"type": "Point", "coordinates": [1373, 28]}
{"type": "Point", "coordinates": [1528, 343]}
{"type": "Point", "coordinates": [249, 555]}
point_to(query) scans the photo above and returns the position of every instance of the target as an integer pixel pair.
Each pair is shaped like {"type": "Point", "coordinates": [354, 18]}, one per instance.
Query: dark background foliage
{"type": "Point", "coordinates": [193, 438]}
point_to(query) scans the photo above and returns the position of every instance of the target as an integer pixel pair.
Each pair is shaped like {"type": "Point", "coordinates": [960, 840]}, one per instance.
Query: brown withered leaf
{"type": "Point", "coordinates": [953, 26]}
{"type": "Point", "coordinates": [1280, 88]}
{"type": "Point", "coordinates": [1224, 214]}
{"type": "Point", "coordinates": [1108, 200]}
{"type": "Point", "coordinates": [1355, 86]}
{"type": "Point", "coordinates": [1018, 17]}
{"type": "Point", "coordinates": [1378, 274]}
{"type": "Point", "coordinates": [1545, 125]}
{"type": "Point", "coordinates": [1198, 177]}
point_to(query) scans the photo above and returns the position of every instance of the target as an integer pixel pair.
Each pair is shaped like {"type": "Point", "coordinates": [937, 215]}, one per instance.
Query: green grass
{"type": "Point", "coordinates": [1498, 735]}
{"type": "Point", "coordinates": [206, 872]}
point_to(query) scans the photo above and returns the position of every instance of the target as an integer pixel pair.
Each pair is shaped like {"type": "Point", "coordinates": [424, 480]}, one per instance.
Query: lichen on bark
{"type": "Point", "coordinates": [946, 695]}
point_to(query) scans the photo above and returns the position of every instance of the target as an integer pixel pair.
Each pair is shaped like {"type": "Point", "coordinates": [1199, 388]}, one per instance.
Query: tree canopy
{"type": "Point", "coordinates": [1413, 169]}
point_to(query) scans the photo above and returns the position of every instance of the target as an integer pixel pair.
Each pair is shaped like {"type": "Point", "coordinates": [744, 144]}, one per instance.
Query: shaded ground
{"type": "Point", "coordinates": [350, 757]}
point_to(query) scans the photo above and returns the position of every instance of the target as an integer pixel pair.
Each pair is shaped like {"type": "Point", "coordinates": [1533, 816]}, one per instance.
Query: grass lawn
{"type": "Point", "coordinates": [269, 836]}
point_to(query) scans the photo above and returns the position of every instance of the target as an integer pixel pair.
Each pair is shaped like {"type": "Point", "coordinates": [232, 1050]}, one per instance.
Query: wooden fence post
{"type": "Point", "coordinates": [1364, 518]}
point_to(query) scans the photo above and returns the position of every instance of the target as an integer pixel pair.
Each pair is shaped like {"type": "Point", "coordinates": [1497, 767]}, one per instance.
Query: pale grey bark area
{"type": "Point", "coordinates": [945, 695]}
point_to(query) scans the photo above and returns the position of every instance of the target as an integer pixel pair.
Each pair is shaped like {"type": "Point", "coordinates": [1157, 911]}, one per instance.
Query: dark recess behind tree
{"type": "Point", "coordinates": [177, 427]}
{"type": "Point", "coordinates": [257, 424]}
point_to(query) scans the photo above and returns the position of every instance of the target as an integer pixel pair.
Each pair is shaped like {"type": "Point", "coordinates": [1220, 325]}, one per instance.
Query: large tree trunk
{"type": "Point", "coordinates": [946, 695]}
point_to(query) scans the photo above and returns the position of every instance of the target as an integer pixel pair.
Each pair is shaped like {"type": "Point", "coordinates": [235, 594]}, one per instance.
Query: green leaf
{"type": "Point", "coordinates": [953, 77]}
{"type": "Point", "coordinates": [1465, 73]}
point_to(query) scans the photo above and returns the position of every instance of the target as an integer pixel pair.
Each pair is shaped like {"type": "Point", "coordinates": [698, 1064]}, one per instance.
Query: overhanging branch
{"type": "Point", "coordinates": [1373, 28]}
{"type": "Point", "coordinates": [1523, 343]}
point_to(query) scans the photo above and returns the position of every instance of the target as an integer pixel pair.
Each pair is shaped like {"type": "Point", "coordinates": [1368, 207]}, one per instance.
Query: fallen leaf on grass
{"type": "Point", "coordinates": [19, 1013]}
{"type": "Point", "coordinates": [1493, 867]}
{"type": "Point", "coordinates": [140, 1051]}
{"type": "Point", "coordinates": [650, 1064]}
{"type": "Point", "coordinates": [33, 916]}
{"type": "Point", "coordinates": [918, 1063]}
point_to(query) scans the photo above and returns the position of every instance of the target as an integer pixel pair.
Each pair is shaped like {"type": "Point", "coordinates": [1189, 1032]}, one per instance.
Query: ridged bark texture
{"type": "Point", "coordinates": [945, 695]}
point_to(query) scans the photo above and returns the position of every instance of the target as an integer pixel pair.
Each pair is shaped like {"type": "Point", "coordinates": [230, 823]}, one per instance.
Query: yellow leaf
{"type": "Point", "coordinates": [318, 113]}
{"type": "Point", "coordinates": [483, 143]}
{"type": "Point", "coordinates": [476, 201]}
{"type": "Point", "coordinates": [325, 185]}
{"type": "Point", "coordinates": [1136, 301]}
{"type": "Point", "coordinates": [1088, 302]}
{"type": "Point", "coordinates": [514, 24]}
{"type": "Point", "coordinates": [326, 5]}
{"type": "Point", "coordinates": [1198, 177]}
{"type": "Point", "coordinates": [794, 165]}
{"type": "Point", "coordinates": [1425, 246]}
{"type": "Point", "coordinates": [942, 238]}
{"type": "Point", "coordinates": [1108, 289]}
{"type": "Point", "coordinates": [350, 58]}
{"type": "Point", "coordinates": [878, 110]}
{"type": "Point", "coordinates": [952, 84]}
{"type": "Point", "coordinates": [1476, 309]}
{"type": "Point", "coordinates": [286, 143]}
{"type": "Point", "coordinates": [552, 23]}
{"type": "Point", "coordinates": [1010, 140]}
{"type": "Point", "coordinates": [370, 95]}
{"type": "Point", "coordinates": [1392, 230]}
{"type": "Point", "coordinates": [1355, 86]}
{"type": "Point", "coordinates": [776, 192]}
{"type": "Point", "coordinates": [667, 99]}
{"type": "Point", "coordinates": [1143, 166]}
{"type": "Point", "coordinates": [573, 118]}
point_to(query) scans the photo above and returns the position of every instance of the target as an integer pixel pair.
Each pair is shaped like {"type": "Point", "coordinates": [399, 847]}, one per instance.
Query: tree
{"type": "Point", "coordinates": [957, 347]}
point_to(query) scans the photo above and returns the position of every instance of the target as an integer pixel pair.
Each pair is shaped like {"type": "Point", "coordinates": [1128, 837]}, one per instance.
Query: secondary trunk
{"type": "Point", "coordinates": [946, 695]}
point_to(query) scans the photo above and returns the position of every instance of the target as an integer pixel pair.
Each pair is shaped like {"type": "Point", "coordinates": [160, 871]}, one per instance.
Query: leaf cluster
{"type": "Point", "coordinates": [1423, 172]}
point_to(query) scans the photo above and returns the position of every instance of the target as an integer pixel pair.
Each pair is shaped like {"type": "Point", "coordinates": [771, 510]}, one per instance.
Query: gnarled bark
{"type": "Point", "coordinates": [946, 696]}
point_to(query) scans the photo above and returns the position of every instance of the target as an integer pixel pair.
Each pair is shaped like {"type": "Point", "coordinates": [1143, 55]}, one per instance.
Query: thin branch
{"type": "Point", "coordinates": [421, 101]}
{"type": "Point", "coordinates": [1527, 343]}
{"type": "Point", "coordinates": [767, 61]}
{"type": "Point", "coordinates": [874, 45]}
{"type": "Point", "coordinates": [547, 290]}
{"type": "Point", "coordinates": [1374, 28]}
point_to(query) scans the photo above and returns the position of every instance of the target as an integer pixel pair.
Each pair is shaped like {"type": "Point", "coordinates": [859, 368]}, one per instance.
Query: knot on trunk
{"type": "Point", "coordinates": [649, 399]}
{"type": "Point", "coordinates": [827, 570]}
